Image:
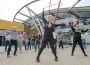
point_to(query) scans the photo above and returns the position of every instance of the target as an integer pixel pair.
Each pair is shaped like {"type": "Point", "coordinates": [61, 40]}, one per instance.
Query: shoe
{"type": "Point", "coordinates": [8, 56]}
{"type": "Point", "coordinates": [37, 59]}
{"type": "Point", "coordinates": [86, 55]}
{"type": "Point", "coordinates": [72, 55]}
{"type": "Point", "coordinates": [56, 58]}
{"type": "Point", "coordinates": [14, 54]}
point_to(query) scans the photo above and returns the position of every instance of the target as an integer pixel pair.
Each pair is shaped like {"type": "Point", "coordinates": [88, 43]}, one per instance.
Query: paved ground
{"type": "Point", "coordinates": [47, 58]}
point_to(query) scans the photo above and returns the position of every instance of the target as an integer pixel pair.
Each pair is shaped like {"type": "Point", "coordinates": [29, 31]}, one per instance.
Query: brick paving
{"type": "Point", "coordinates": [47, 58]}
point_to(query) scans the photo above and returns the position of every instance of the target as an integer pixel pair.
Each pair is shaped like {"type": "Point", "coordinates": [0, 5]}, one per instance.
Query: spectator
{"type": "Point", "coordinates": [7, 40]}
{"type": "Point", "coordinates": [13, 41]}
{"type": "Point", "coordinates": [24, 37]}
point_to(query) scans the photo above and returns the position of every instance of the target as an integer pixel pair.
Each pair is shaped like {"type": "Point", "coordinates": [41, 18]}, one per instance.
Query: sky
{"type": "Point", "coordinates": [8, 8]}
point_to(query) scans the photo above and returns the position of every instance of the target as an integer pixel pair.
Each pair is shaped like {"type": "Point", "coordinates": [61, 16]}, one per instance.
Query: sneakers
{"type": "Point", "coordinates": [37, 59]}
{"type": "Point", "coordinates": [8, 56]}
{"type": "Point", "coordinates": [72, 55]}
{"type": "Point", "coordinates": [56, 58]}
{"type": "Point", "coordinates": [86, 55]}
{"type": "Point", "coordinates": [14, 54]}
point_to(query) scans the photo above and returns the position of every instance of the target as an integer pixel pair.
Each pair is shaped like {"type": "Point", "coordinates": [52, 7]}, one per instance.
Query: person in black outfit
{"type": "Point", "coordinates": [29, 42]}
{"type": "Point", "coordinates": [48, 36]}
{"type": "Point", "coordinates": [61, 44]}
{"type": "Point", "coordinates": [37, 42]}
{"type": "Point", "coordinates": [77, 39]}
{"type": "Point", "coordinates": [33, 42]}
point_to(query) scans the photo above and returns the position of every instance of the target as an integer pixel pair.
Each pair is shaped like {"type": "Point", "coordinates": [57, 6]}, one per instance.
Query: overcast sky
{"type": "Point", "coordinates": [8, 8]}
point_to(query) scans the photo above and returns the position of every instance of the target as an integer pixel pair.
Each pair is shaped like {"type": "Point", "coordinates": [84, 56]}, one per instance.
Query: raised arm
{"type": "Point", "coordinates": [73, 29]}
{"type": "Point", "coordinates": [43, 18]}
{"type": "Point", "coordinates": [84, 30]}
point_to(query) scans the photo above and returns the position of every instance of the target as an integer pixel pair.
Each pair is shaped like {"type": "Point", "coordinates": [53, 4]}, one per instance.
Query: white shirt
{"type": "Point", "coordinates": [8, 37]}
{"type": "Point", "coordinates": [54, 35]}
{"type": "Point", "coordinates": [14, 35]}
{"type": "Point", "coordinates": [83, 36]}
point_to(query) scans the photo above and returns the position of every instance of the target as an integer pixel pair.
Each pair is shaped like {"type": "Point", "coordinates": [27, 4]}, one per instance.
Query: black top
{"type": "Point", "coordinates": [48, 30]}
{"type": "Point", "coordinates": [77, 33]}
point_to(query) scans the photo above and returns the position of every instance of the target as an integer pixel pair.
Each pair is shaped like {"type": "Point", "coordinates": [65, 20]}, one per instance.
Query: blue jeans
{"type": "Point", "coordinates": [84, 43]}
{"type": "Point", "coordinates": [6, 44]}
{"type": "Point", "coordinates": [24, 43]}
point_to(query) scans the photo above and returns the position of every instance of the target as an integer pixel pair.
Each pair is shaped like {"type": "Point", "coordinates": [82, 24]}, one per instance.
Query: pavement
{"type": "Point", "coordinates": [47, 58]}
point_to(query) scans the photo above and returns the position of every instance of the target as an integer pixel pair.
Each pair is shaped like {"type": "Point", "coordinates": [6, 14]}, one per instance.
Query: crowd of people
{"type": "Point", "coordinates": [38, 42]}
{"type": "Point", "coordinates": [20, 40]}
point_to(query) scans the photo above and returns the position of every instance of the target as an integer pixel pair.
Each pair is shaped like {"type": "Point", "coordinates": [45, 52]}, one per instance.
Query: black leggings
{"type": "Point", "coordinates": [61, 44]}
{"type": "Point", "coordinates": [79, 41]}
{"type": "Point", "coordinates": [44, 42]}
{"type": "Point", "coordinates": [37, 44]}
